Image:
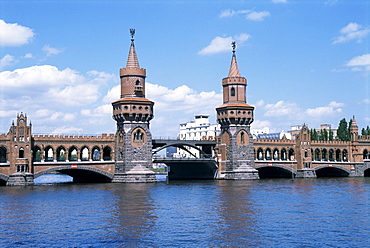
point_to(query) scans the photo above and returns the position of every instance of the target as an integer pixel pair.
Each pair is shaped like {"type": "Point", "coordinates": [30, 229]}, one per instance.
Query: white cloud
{"type": "Point", "coordinates": [223, 44]}
{"type": "Point", "coordinates": [51, 50]}
{"type": "Point", "coordinates": [333, 108]}
{"type": "Point", "coordinates": [28, 56]}
{"type": "Point", "coordinates": [7, 60]}
{"type": "Point", "coordinates": [352, 31]}
{"type": "Point", "coordinates": [257, 16]}
{"type": "Point", "coordinates": [249, 14]}
{"type": "Point", "coordinates": [360, 63]}
{"type": "Point", "coordinates": [67, 130]}
{"type": "Point", "coordinates": [13, 34]}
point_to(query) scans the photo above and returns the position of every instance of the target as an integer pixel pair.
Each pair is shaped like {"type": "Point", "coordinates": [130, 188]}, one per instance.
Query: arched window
{"type": "Point", "coordinates": [96, 154]}
{"type": "Point", "coordinates": [317, 154]}
{"type": "Point", "coordinates": [260, 154]}
{"type": "Point", "coordinates": [36, 156]}
{"type": "Point", "coordinates": [276, 154]}
{"type": "Point", "coordinates": [232, 92]}
{"type": "Point", "coordinates": [72, 154]}
{"type": "Point", "coordinates": [138, 136]}
{"type": "Point", "coordinates": [3, 158]}
{"type": "Point", "coordinates": [49, 154]}
{"type": "Point", "coordinates": [137, 82]}
{"type": "Point", "coordinates": [331, 155]}
{"type": "Point", "coordinates": [242, 137]}
{"type": "Point", "coordinates": [84, 154]}
{"type": "Point", "coordinates": [61, 154]}
{"type": "Point", "coordinates": [21, 152]}
{"type": "Point", "coordinates": [107, 153]}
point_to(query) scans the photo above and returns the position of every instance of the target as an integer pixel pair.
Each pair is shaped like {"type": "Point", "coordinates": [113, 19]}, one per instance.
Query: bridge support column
{"type": "Point", "coordinates": [242, 172]}
{"type": "Point", "coordinates": [306, 173]}
{"type": "Point", "coordinates": [138, 174]}
{"type": "Point", "coordinates": [20, 179]}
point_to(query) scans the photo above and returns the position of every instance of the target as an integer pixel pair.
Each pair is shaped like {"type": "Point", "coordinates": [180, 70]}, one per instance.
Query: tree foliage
{"type": "Point", "coordinates": [343, 130]}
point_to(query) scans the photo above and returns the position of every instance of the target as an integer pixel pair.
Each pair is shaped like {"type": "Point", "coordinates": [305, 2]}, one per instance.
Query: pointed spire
{"type": "Point", "coordinates": [132, 60]}
{"type": "Point", "coordinates": [234, 70]}
{"type": "Point", "coordinates": [354, 123]}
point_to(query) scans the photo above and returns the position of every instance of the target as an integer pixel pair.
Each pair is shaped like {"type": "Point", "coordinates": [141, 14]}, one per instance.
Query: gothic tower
{"type": "Point", "coordinates": [235, 117]}
{"type": "Point", "coordinates": [133, 112]}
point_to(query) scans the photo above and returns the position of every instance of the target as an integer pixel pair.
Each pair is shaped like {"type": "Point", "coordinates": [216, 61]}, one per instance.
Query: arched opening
{"type": "Point", "coordinates": [367, 173]}
{"type": "Point", "coordinates": [324, 153]}
{"type": "Point", "coordinates": [72, 154]}
{"type": "Point", "coordinates": [107, 153]}
{"type": "Point", "coordinates": [36, 154]}
{"type": "Point", "coordinates": [338, 155]}
{"type": "Point", "coordinates": [95, 153]}
{"type": "Point", "coordinates": [61, 154]}
{"type": "Point", "coordinates": [331, 155]}
{"type": "Point", "coordinates": [345, 155]}
{"type": "Point", "coordinates": [291, 154]}
{"type": "Point", "coordinates": [49, 154]}
{"type": "Point", "coordinates": [260, 154]}
{"type": "Point", "coordinates": [365, 154]}
{"type": "Point", "coordinates": [3, 157]}
{"type": "Point", "coordinates": [331, 172]}
{"type": "Point", "coordinates": [21, 153]}
{"type": "Point", "coordinates": [274, 172]}
{"type": "Point", "coordinates": [84, 154]}
{"type": "Point", "coordinates": [232, 91]}
{"type": "Point", "coordinates": [276, 154]}
{"type": "Point", "coordinates": [268, 154]}
{"type": "Point", "coordinates": [284, 155]}
{"type": "Point", "coordinates": [317, 154]}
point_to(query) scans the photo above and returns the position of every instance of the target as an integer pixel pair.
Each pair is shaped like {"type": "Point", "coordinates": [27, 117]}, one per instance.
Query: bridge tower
{"type": "Point", "coordinates": [133, 112]}
{"type": "Point", "coordinates": [235, 117]}
{"type": "Point", "coordinates": [20, 153]}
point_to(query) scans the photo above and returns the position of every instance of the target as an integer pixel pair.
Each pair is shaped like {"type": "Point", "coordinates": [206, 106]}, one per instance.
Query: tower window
{"type": "Point", "coordinates": [232, 91]}
{"type": "Point", "coordinates": [137, 82]}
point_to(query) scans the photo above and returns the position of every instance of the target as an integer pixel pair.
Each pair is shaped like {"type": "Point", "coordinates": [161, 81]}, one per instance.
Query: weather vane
{"type": "Point", "coordinates": [233, 45]}
{"type": "Point", "coordinates": [132, 31]}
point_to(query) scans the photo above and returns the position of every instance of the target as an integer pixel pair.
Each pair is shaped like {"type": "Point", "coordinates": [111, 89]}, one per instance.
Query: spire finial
{"type": "Point", "coordinates": [233, 45]}
{"type": "Point", "coordinates": [132, 32]}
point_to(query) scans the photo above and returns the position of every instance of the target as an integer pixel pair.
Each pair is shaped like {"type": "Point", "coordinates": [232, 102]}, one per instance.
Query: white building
{"type": "Point", "coordinates": [199, 129]}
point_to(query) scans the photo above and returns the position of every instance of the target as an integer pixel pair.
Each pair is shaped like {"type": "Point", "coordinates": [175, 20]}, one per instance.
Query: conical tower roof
{"type": "Point", "coordinates": [234, 70]}
{"type": "Point", "coordinates": [132, 60]}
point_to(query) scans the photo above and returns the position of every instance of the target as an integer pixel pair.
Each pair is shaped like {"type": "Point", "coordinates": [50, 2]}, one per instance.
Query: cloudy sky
{"type": "Point", "coordinates": [305, 61]}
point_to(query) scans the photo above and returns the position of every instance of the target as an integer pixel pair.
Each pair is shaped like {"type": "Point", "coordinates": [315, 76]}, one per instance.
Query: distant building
{"type": "Point", "coordinates": [199, 129]}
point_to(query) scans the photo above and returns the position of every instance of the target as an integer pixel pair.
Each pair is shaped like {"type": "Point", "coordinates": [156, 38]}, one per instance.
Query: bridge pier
{"type": "Point", "coordinates": [306, 173]}
{"type": "Point", "coordinates": [138, 174]}
{"type": "Point", "coordinates": [242, 172]}
{"type": "Point", "coordinates": [20, 179]}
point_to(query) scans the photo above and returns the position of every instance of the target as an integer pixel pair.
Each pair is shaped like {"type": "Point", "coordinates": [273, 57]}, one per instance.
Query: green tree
{"type": "Point", "coordinates": [363, 131]}
{"type": "Point", "coordinates": [331, 135]}
{"type": "Point", "coordinates": [314, 135]}
{"type": "Point", "coordinates": [343, 132]}
{"type": "Point", "coordinates": [368, 130]}
{"type": "Point", "coordinates": [324, 134]}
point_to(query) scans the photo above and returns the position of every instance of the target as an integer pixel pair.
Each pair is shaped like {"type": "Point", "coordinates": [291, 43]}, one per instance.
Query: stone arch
{"type": "Point", "coordinates": [36, 154]}
{"type": "Point", "coordinates": [61, 154]}
{"type": "Point", "coordinates": [275, 154]}
{"type": "Point", "coordinates": [183, 147]}
{"type": "Point", "coordinates": [49, 154]}
{"type": "Point", "coordinates": [345, 155]}
{"type": "Point", "coordinates": [284, 155]}
{"type": "Point", "coordinates": [331, 155]}
{"type": "Point", "coordinates": [338, 155]}
{"type": "Point", "coordinates": [324, 154]}
{"type": "Point", "coordinates": [275, 171]}
{"type": "Point", "coordinates": [80, 173]}
{"type": "Point", "coordinates": [95, 153]}
{"type": "Point", "coordinates": [331, 171]}
{"type": "Point", "coordinates": [73, 153]}
{"type": "Point", "coordinates": [107, 153]}
{"type": "Point", "coordinates": [317, 155]}
{"type": "Point", "coordinates": [291, 154]}
{"type": "Point", "coordinates": [268, 154]}
{"type": "Point", "coordinates": [3, 154]}
{"type": "Point", "coordinates": [260, 154]}
{"type": "Point", "coordinates": [84, 153]}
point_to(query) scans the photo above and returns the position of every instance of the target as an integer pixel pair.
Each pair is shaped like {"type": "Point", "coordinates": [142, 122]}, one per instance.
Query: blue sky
{"type": "Point", "coordinates": [305, 61]}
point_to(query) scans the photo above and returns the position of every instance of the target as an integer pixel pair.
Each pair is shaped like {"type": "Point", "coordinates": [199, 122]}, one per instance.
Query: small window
{"type": "Point", "coordinates": [232, 91]}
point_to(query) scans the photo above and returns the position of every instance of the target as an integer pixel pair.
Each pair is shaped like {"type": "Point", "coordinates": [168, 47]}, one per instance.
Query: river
{"type": "Point", "coordinates": [330, 212]}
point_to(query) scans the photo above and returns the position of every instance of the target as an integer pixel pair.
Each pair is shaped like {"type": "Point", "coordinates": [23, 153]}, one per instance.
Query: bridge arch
{"type": "Point", "coordinates": [3, 179]}
{"type": "Point", "coordinates": [275, 171]}
{"type": "Point", "coordinates": [181, 145]}
{"type": "Point", "coordinates": [331, 171]}
{"type": "Point", "coordinates": [80, 173]}
{"type": "Point", "coordinates": [3, 154]}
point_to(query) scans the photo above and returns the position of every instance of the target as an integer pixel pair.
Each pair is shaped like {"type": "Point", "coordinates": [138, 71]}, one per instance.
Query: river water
{"type": "Point", "coordinates": [330, 212]}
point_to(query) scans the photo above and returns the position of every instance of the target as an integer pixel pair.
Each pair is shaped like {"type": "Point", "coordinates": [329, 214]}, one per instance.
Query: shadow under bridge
{"type": "Point", "coordinates": [189, 168]}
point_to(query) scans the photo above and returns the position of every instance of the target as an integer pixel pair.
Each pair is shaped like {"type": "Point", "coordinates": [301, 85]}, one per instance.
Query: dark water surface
{"type": "Point", "coordinates": [262, 213]}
